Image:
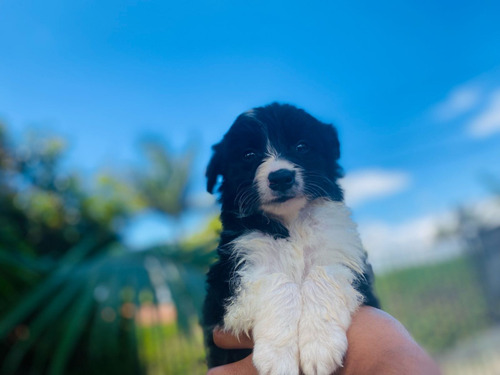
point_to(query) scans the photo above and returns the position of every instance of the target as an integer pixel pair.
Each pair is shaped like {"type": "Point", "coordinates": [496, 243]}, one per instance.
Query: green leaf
{"type": "Point", "coordinates": [40, 324]}
{"type": "Point", "coordinates": [78, 318]}
{"type": "Point", "coordinates": [31, 302]}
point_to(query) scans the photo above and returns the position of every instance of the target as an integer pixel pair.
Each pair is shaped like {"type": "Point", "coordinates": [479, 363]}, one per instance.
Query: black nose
{"type": "Point", "coordinates": [281, 180]}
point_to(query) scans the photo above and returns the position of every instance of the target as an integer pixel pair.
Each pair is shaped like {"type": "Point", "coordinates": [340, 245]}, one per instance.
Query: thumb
{"type": "Point", "coordinates": [226, 340]}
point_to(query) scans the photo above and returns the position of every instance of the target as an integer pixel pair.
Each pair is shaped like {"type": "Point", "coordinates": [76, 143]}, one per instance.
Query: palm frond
{"type": "Point", "coordinates": [85, 299]}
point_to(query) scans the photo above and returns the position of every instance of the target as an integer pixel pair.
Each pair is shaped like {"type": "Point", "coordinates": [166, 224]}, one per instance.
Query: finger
{"type": "Point", "coordinates": [243, 367]}
{"type": "Point", "coordinates": [226, 340]}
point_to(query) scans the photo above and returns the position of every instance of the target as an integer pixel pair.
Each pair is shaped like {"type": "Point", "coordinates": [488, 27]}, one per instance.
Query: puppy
{"type": "Point", "coordinates": [291, 269]}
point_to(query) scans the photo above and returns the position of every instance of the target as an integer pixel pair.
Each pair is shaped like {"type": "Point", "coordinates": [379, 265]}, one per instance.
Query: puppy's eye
{"type": "Point", "coordinates": [302, 147]}
{"type": "Point", "coordinates": [249, 155]}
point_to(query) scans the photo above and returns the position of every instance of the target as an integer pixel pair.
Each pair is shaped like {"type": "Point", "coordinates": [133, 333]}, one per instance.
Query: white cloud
{"type": "Point", "coordinates": [371, 184]}
{"type": "Point", "coordinates": [459, 101]}
{"type": "Point", "coordinates": [415, 241]}
{"type": "Point", "coordinates": [476, 99]}
{"type": "Point", "coordinates": [409, 243]}
{"type": "Point", "coordinates": [487, 212]}
{"type": "Point", "coordinates": [487, 122]}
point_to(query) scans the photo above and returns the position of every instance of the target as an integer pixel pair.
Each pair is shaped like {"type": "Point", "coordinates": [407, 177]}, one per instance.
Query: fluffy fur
{"type": "Point", "coordinates": [291, 269]}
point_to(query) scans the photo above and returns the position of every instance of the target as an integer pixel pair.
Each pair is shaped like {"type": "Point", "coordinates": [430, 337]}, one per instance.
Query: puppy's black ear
{"type": "Point", "coordinates": [215, 167]}
{"type": "Point", "coordinates": [333, 141]}
{"type": "Point", "coordinates": [333, 147]}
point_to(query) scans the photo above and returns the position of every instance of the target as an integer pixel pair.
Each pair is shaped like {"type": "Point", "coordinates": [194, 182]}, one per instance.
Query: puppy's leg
{"type": "Point", "coordinates": [276, 329]}
{"type": "Point", "coordinates": [328, 301]}
{"type": "Point", "coordinates": [270, 306]}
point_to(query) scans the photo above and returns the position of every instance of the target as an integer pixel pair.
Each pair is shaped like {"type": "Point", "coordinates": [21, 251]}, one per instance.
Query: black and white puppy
{"type": "Point", "coordinates": [291, 269]}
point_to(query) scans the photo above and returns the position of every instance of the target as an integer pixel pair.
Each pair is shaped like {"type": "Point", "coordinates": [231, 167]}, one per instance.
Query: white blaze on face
{"type": "Point", "coordinates": [290, 208]}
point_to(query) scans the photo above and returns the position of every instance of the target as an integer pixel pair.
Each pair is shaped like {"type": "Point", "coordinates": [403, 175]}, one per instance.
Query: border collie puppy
{"type": "Point", "coordinates": [291, 269]}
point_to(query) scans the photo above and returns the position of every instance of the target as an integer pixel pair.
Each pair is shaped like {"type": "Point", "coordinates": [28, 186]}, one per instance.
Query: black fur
{"type": "Point", "coordinates": [284, 126]}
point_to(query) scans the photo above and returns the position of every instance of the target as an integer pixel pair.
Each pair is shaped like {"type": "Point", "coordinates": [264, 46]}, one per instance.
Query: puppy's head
{"type": "Point", "coordinates": [274, 160]}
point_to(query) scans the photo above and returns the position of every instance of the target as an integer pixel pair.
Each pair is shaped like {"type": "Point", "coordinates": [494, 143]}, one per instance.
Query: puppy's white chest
{"type": "Point", "coordinates": [296, 294]}
{"type": "Point", "coordinates": [322, 235]}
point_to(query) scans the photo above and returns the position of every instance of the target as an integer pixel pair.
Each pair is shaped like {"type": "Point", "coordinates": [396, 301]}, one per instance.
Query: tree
{"type": "Point", "coordinates": [69, 287]}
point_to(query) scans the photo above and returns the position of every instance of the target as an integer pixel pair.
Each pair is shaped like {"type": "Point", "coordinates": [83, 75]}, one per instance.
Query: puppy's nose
{"type": "Point", "coordinates": [281, 180]}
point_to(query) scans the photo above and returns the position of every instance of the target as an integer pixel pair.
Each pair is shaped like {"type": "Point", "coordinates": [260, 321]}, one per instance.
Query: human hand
{"type": "Point", "coordinates": [228, 341]}
{"type": "Point", "coordinates": [378, 345]}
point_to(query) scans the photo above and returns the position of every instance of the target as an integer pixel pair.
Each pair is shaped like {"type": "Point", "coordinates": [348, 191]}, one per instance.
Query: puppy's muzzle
{"type": "Point", "coordinates": [281, 180]}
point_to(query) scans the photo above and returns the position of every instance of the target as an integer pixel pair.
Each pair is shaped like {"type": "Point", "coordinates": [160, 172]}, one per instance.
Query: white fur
{"type": "Point", "coordinates": [296, 294]}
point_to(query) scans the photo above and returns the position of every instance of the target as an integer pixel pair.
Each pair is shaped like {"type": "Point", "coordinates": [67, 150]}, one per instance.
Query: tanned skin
{"type": "Point", "coordinates": [378, 345]}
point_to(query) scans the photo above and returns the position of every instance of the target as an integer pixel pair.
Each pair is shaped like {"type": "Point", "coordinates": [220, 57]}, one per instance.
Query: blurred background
{"type": "Point", "coordinates": [108, 111]}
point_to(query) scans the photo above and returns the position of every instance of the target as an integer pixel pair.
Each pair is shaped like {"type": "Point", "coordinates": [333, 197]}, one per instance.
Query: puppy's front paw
{"type": "Point", "coordinates": [322, 348]}
{"type": "Point", "coordinates": [276, 360]}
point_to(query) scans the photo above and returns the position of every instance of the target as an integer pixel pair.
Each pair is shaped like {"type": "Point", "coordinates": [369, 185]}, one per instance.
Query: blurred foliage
{"type": "Point", "coordinates": [440, 304]}
{"type": "Point", "coordinates": [71, 294]}
{"type": "Point", "coordinates": [209, 235]}
{"type": "Point", "coordinates": [164, 170]}
{"type": "Point", "coordinates": [164, 351]}
{"type": "Point", "coordinates": [444, 303]}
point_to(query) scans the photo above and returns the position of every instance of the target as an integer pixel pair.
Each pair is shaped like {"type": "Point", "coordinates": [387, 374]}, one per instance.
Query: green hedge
{"type": "Point", "coordinates": [439, 304]}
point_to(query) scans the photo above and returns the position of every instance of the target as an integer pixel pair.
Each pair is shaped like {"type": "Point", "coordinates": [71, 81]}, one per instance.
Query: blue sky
{"type": "Point", "coordinates": [414, 87]}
